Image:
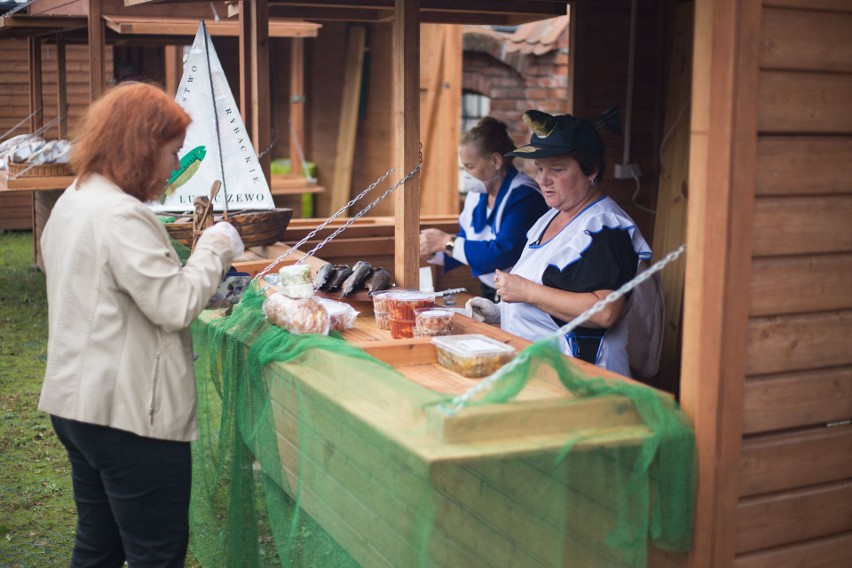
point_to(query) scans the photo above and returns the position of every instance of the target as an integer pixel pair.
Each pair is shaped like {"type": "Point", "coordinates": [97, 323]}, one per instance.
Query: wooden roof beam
{"type": "Point", "coordinates": [23, 26]}
{"type": "Point", "coordinates": [141, 25]}
{"type": "Point", "coordinates": [495, 12]}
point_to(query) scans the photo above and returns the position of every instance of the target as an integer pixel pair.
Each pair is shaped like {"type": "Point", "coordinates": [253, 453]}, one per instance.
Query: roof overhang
{"type": "Point", "coordinates": [138, 29]}
{"type": "Point", "coordinates": [186, 27]}
{"type": "Point", "coordinates": [22, 26]}
{"type": "Point", "coordinates": [491, 12]}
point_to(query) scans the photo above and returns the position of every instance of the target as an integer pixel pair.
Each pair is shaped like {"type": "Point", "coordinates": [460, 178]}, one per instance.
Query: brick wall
{"type": "Point", "coordinates": [516, 82]}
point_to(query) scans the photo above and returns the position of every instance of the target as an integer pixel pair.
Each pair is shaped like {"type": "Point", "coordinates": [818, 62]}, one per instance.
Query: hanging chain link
{"type": "Point", "coordinates": [464, 399]}
{"type": "Point", "coordinates": [340, 211]}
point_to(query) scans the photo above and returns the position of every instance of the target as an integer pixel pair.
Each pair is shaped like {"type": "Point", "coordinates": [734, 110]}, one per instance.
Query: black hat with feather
{"type": "Point", "coordinates": [563, 134]}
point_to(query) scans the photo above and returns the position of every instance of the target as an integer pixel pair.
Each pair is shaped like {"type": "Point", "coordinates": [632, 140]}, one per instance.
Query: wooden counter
{"type": "Point", "coordinates": [367, 454]}
{"type": "Point", "coordinates": [40, 194]}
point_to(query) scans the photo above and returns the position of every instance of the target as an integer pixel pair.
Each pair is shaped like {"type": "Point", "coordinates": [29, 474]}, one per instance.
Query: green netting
{"type": "Point", "coordinates": [182, 250]}
{"type": "Point", "coordinates": [313, 453]}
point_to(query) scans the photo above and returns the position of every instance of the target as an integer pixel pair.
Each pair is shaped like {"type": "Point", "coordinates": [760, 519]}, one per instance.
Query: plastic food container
{"type": "Point", "coordinates": [401, 329]}
{"type": "Point", "coordinates": [472, 355]}
{"type": "Point", "coordinates": [381, 310]}
{"type": "Point", "coordinates": [402, 303]}
{"type": "Point", "coordinates": [432, 321]}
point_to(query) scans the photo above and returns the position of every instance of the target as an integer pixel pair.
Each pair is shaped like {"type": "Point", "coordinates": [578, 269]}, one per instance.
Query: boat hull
{"type": "Point", "coordinates": [256, 228]}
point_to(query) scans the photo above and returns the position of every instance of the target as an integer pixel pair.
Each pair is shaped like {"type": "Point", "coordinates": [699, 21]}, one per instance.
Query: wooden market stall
{"type": "Point", "coordinates": [28, 199]}
{"type": "Point", "coordinates": [401, 248]}
{"type": "Point", "coordinates": [753, 102]}
{"type": "Point", "coordinates": [762, 194]}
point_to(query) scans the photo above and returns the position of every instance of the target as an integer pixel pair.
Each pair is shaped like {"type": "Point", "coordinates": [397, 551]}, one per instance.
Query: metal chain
{"type": "Point", "coordinates": [361, 213]}
{"type": "Point", "coordinates": [463, 399]}
{"type": "Point", "coordinates": [340, 211]}
{"type": "Point", "coordinates": [271, 144]}
{"type": "Point", "coordinates": [323, 225]}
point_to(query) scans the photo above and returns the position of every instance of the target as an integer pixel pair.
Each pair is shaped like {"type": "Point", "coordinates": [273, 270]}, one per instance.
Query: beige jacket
{"type": "Point", "coordinates": [119, 352]}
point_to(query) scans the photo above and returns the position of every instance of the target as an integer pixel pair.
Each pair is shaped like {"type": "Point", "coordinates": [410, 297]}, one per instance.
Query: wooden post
{"type": "Point", "coordinates": [670, 227]}
{"type": "Point", "coordinates": [174, 67]}
{"type": "Point", "coordinates": [61, 88]}
{"type": "Point", "coordinates": [297, 103]}
{"type": "Point", "coordinates": [97, 68]}
{"type": "Point", "coordinates": [406, 136]}
{"type": "Point", "coordinates": [722, 171]}
{"type": "Point", "coordinates": [246, 8]}
{"type": "Point", "coordinates": [261, 109]}
{"type": "Point", "coordinates": [441, 88]}
{"type": "Point", "coordinates": [347, 131]}
{"type": "Point", "coordinates": [36, 101]}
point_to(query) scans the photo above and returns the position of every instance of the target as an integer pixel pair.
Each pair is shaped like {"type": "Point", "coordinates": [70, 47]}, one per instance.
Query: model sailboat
{"type": "Point", "coordinates": [217, 147]}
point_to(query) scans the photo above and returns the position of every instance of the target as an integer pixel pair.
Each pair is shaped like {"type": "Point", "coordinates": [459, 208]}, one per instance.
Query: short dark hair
{"type": "Point", "coordinates": [589, 163]}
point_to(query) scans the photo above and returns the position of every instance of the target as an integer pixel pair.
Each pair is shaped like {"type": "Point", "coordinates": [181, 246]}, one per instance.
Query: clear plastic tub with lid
{"type": "Point", "coordinates": [472, 355]}
{"type": "Point", "coordinates": [432, 321]}
{"type": "Point", "coordinates": [381, 309]}
{"type": "Point", "coordinates": [402, 303]}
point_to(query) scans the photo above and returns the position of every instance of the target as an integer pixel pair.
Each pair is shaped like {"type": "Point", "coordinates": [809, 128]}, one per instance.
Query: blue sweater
{"type": "Point", "coordinates": [495, 241]}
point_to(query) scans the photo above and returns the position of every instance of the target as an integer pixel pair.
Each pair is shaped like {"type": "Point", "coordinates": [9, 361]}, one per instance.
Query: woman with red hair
{"type": "Point", "coordinates": [119, 383]}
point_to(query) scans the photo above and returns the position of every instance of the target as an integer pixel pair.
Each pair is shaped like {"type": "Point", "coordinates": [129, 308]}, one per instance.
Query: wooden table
{"type": "Point", "coordinates": [44, 191]}
{"type": "Point", "coordinates": [363, 454]}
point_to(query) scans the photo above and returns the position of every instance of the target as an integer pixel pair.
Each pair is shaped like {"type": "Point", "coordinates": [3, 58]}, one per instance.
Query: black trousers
{"type": "Point", "coordinates": [132, 495]}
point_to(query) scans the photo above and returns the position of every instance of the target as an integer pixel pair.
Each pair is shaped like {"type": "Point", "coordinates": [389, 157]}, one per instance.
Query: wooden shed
{"type": "Point", "coordinates": [759, 188]}
{"type": "Point", "coordinates": [740, 116]}
{"type": "Point", "coordinates": [766, 368]}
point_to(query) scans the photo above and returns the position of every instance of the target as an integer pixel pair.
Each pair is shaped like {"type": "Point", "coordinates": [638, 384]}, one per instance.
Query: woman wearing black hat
{"type": "Point", "coordinates": [579, 251]}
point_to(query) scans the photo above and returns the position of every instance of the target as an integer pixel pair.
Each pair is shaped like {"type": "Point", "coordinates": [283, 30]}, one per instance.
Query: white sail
{"type": "Point", "coordinates": [229, 156]}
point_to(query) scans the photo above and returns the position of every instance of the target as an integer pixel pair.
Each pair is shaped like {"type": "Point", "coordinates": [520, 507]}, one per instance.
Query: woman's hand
{"type": "Point", "coordinates": [511, 287]}
{"type": "Point", "coordinates": [558, 303]}
{"type": "Point", "coordinates": [229, 232]}
{"type": "Point", "coordinates": [432, 241]}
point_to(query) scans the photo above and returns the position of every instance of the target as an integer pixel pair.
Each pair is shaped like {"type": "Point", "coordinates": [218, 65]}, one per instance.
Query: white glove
{"type": "Point", "coordinates": [482, 309]}
{"type": "Point", "coordinates": [226, 229]}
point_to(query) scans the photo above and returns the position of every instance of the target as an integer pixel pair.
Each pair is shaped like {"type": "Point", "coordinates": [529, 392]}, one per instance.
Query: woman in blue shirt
{"type": "Point", "coordinates": [501, 206]}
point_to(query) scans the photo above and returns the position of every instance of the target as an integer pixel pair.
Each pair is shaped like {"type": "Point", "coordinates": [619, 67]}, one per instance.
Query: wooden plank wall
{"type": "Point", "coordinates": [599, 62]}
{"type": "Point", "coordinates": [373, 144]}
{"type": "Point", "coordinates": [795, 484]}
{"type": "Point", "coordinates": [14, 83]}
{"type": "Point", "coordinates": [16, 210]}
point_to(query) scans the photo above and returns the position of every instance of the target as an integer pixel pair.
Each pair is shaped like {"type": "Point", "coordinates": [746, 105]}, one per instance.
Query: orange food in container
{"type": "Point", "coordinates": [402, 303]}
{"type": "Point", "coordinates": [401, 329]}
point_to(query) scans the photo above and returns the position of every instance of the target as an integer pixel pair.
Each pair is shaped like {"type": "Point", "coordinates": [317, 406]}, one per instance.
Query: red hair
{"type": "Point", "coordinates": [122, 134]}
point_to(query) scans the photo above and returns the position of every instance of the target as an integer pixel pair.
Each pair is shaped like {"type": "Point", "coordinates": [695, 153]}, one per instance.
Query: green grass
{"type": "Point", "coordinates": [37, 525]}
{"type": "Point", "coordinates": [38, 515]}
{"type": "Point", "coordinates": [37, 503]}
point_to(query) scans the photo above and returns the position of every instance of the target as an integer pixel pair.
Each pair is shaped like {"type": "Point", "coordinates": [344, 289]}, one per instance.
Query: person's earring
{"type": "Point", "coordinates": [593, 182]}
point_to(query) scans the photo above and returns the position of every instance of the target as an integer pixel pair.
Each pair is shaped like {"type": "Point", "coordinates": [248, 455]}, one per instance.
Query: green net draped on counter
{"type": "Point", "coordinates": [312, 453]}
